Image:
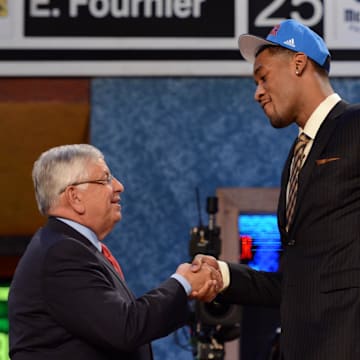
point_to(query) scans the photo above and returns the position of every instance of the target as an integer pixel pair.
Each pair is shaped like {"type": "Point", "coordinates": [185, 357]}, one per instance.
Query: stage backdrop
{"type": "Point", "coordinates": [163, 137]}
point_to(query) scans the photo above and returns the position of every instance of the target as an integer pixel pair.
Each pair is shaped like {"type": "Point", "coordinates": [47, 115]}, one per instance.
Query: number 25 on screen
{"type": "Point", "coordinates": [265, 18]}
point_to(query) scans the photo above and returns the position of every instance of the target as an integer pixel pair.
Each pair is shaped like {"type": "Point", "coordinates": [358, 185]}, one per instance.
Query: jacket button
{"type": "Point", "coordinates": [291, 242]}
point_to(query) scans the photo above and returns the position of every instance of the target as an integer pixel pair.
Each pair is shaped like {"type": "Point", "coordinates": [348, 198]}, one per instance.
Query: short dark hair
{"type": "Point", "coordinates": [273, 49]}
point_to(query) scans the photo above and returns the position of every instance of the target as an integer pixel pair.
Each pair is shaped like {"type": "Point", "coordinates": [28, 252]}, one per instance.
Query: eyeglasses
{"type": "Point", "coordinates": [107, 181]}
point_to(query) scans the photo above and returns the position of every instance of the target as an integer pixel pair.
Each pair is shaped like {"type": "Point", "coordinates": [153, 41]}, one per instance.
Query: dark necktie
{"type": "Point", "coordinates": [105, 250]}
{"type": "Point", "coordinates": [294, 176]}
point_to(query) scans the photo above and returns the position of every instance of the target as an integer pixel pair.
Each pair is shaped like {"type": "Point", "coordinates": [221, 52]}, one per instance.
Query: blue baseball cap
{"type": "Point", "coordinates": [291, 35]}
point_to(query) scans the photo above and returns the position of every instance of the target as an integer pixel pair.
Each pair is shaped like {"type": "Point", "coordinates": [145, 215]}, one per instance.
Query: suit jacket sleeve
{"type": "Point", "coordinates": [93, 304]}
{"type": "Point", "coordinates": [252, 287]}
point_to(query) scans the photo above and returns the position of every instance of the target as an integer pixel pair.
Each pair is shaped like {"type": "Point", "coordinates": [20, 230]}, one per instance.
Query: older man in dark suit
{"type": "Point", "coordinates": [318, 288]}
{"type": "Point", "coordinates": [68, 298]}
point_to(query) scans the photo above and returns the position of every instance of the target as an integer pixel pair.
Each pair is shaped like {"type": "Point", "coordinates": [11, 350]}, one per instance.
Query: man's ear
{"type": "Point", "coordinates": [300, 62]}
{"type": "Point", "coordinates": [75, 199]}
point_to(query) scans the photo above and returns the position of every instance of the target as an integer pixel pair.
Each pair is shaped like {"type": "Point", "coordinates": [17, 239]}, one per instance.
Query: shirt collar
{"type": "Point", "coordinates": [314, 122]}
{"type": "Point", "coordinates": [84, 231]}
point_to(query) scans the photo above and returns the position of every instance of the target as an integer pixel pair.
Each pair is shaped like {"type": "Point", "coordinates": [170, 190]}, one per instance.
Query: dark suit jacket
{"type": "Point", "coordinates": [67, 302]}
{"type": "Point", "coordinates": [319, 284]}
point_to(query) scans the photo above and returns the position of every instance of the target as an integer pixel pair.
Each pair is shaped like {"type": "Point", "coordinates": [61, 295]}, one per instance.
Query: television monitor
{"type": "Point", "coordinates": [260, 248]}
{"type": "Point", "coordinates": [260, 245]}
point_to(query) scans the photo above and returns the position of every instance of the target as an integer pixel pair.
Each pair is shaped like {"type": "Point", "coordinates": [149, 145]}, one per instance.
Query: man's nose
{"type": "Point", "coordinates": [117, 185]}
{"type": "Point", "coordinates": [259, 92]}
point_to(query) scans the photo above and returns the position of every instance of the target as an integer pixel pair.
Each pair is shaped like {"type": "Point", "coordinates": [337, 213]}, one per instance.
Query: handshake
{"type": "Point", "coordinates": [204, 276]}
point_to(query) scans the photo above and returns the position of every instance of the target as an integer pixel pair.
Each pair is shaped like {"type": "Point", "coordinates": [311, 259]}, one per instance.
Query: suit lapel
{"type": "Point", "coordinates": [283, 189]}
{"type": "Point", "coordinates": [114, 273]}
{"type": "Point", "coordinates": [318, 146]}
{"type": "Point", "coordinates": [71, 232]}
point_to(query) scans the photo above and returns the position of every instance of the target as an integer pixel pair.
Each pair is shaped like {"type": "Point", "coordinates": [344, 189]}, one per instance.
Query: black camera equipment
{"type": "Point", "coordinates": [213, 323]}
{"type": "Point", "coordinates": [206, 239]}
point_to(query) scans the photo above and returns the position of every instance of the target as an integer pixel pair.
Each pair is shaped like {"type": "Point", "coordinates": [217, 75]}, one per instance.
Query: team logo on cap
{"type": "Point", "coordinates": [275, 30]}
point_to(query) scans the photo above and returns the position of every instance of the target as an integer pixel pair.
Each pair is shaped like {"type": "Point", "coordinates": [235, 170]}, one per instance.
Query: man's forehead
{"type": "Point", "coordinates": [98, 165]}
{"type": "Point", "coordinates": [259, 63]}
{"type": "Point", "coordinates": [257, 67]}
{"type": "Point", "coordinates": [266, 59]}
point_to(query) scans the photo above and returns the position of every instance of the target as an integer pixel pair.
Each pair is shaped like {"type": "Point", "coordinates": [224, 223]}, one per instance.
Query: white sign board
{"type": "Point", "coordinates": [160, 37]}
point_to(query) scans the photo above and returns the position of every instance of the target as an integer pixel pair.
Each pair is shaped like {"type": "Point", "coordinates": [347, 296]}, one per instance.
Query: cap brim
{"type": "Point", "coordinates": [249, 45]}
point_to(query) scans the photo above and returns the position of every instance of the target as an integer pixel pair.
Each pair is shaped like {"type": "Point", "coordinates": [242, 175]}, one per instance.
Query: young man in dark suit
{"type": "Point", "coordinates": [318, 286]}
{"type": "Point", "coordinates": [68, 298]}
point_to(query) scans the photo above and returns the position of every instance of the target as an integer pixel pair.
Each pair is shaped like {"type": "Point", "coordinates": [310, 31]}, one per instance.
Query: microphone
{"type": "Point", "coordinates": [206, 239]}
{"type": "Point", "coordinates": [212, 209]}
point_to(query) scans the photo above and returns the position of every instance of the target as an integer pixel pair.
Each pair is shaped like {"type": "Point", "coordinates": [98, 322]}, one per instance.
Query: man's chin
{"type": "Point", "coordinates": [117, 212]}
{"type": "Point", "coordinates": [277, 123]}
{"type": "Point", "coordinates": [118, 217]}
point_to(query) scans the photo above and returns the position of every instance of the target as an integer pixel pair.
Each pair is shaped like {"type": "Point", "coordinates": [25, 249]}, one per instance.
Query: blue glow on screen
{"type": "Point", "coordinates": [259, 241]}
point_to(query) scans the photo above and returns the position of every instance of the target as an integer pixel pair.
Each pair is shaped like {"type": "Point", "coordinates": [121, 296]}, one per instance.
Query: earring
{"type": "Point", "coordinates": [297, 72]}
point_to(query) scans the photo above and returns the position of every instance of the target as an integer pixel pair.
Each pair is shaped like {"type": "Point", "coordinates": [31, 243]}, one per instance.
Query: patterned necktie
{"type": "Point", "coordinates": [298, 157]}
{"type": "Point", "coordinates": [105, 250]}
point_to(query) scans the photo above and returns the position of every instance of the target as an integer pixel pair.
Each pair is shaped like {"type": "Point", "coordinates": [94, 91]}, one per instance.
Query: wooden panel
{"type": "Point", "coordinates": [43, 90]}
{"type": "Point", "coordinates": [26, 130]}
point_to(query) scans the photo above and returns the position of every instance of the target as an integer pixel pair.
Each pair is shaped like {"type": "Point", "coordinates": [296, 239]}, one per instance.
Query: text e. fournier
{"type": "Point", "coordinates": [121, 8]}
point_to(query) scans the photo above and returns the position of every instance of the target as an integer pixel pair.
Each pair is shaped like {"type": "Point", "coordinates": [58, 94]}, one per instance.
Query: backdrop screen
{"type": "Point", "coordinates": [260, 244]}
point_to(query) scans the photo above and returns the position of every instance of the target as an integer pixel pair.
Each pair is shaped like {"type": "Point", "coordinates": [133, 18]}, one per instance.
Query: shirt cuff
{"type": "Point", "coordinates": [225, 273]}
{"type": "Point", "coordinates": [183, 282]}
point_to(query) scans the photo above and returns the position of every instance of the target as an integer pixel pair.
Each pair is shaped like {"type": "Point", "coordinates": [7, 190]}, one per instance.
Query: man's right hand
{"type": "Point", "coordinates": [220, 266]}
{"type": "Point", "coordinates": [201, 259]}
{"type": "Point", "coordinates": [206, 282]}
